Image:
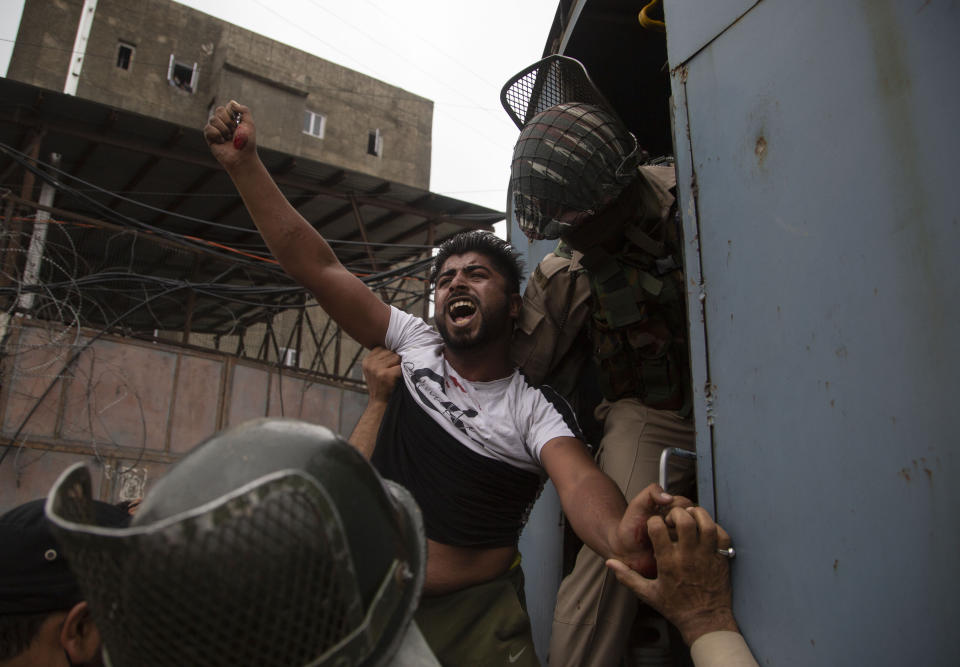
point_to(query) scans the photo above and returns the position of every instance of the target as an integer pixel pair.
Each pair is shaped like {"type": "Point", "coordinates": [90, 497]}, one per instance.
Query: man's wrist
{"type": "Point", "coordinates": [377, 401]}
{"type": "Point", "coordinates": [694, 626]}
{"type": "Point", "coordinates": [243, 166]}
{"type": "Point", "coordinates": [615, 545]}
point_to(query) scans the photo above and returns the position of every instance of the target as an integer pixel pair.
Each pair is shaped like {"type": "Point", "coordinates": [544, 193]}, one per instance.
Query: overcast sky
{"type": "Point", "coordinates": [456, 53]}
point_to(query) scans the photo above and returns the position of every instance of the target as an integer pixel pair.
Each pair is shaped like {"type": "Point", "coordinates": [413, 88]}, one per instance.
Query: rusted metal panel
{"type": "Point", "coordinates": [247, 394]}
{"type": "Point", "coordinates": [302, 399]}
{"type": "Point", "coordinates": [35, 356]}
{"type": "Point", "coordinates": [28, 474]}
{"type": "Point", "coordinates": [196, 402]}
{"type": "Point", "coordinates": [122, 388]}
{"type": "Point", "coordinates": [120, 393]}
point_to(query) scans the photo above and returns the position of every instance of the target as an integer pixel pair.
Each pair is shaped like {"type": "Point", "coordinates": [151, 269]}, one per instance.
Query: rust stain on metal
{"type": "Point", "coordinates": [709, 393]}
{"type": "Point", "coordinates": [836, 564]}
{"type": "Point", "coordinates": [905, 473]}
{"type": "Point", "coordinates": [761, 148]}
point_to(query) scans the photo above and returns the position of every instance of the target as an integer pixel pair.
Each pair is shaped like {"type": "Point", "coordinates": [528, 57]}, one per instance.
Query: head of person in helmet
{"type": "Point", "coordinates": [571, 162]}
{"type": "Point", "coordinates": [44, 619]}
{"type": "Point", "coordinates": [273, 543]}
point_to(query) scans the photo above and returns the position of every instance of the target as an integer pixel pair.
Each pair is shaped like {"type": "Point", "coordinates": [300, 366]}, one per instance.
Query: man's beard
{"type": "Point", "coordinates": [491, 324]}
{"type": "Point", "coordinates": [462, 340]}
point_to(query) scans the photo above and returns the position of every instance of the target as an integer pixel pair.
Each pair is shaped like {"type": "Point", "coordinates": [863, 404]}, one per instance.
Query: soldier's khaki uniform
{"type": "Point", "coordinates": [629, 308]}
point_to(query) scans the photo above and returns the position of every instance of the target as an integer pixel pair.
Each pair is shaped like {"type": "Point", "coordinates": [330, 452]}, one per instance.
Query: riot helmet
{"type": "Point", "coordinates": [574, 154]}
{"type": "Point", "coordinates": [272, 543]}
{"type": "Point", "coordinates": [568, 164]}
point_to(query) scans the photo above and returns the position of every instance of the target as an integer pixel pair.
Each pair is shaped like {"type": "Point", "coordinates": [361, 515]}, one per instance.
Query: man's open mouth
{"type": "Point", "coordinates": [461, 310]}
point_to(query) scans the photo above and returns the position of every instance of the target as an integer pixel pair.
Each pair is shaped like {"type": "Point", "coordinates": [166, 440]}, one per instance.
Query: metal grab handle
{"type": "Point", "coordinates": [665, 461]}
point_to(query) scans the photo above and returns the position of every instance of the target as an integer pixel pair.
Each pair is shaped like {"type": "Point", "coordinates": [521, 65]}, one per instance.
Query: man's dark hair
{"type": "Point", "coordinates": [17, 631]}
{"type": "Point", "coordinates": [505, 260]}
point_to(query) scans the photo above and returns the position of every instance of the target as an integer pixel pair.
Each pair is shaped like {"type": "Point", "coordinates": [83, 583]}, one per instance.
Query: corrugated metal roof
{"type": "Point", "coordinates": [138, 196]}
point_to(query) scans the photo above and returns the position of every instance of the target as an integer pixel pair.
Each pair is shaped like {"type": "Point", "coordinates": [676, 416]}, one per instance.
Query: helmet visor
{"type": "Point", "coordinates": [262, 575]}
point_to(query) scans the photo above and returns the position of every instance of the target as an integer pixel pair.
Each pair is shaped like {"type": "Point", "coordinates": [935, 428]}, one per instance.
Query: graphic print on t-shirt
{"type": "Point", "coordinates": [507, 419]}
{"type": "Point", "coordinates": [434, 397]}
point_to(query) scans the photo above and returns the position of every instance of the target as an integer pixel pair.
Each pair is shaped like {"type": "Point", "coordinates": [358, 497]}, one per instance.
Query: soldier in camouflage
{"type": "Point", "coordinates": [609, 301]}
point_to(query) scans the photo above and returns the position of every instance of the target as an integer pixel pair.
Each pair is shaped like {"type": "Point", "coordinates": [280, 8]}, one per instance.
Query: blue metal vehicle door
{"type": "Point", "coordinates": [817, 149]}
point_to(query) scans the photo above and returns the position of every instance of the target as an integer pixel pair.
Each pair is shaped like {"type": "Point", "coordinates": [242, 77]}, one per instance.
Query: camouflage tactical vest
{"type": "Point", "coordinates": [636, 312]}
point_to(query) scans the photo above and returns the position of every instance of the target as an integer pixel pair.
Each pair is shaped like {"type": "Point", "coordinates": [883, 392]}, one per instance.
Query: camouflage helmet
{"type": "Point", "coordinates": [273, 543]}
{"type": "Point", "coordinates": [569, 162]}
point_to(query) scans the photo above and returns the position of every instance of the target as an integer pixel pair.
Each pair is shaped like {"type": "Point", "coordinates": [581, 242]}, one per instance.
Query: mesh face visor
{"type": "Point", "coordinates": [262, 575]}
{"type": "Point", "coordinates": [569, 162]}
{"type": "Point", "coordinates": [554, 80]}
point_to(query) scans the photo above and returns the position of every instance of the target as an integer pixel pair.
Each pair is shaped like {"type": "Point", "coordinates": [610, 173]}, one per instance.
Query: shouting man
{"type": "Point", "coordinates": [464, 432]}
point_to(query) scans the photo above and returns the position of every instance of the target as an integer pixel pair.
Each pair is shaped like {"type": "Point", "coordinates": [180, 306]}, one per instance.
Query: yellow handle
{"type": "Point", "coordinates": [649, 23]}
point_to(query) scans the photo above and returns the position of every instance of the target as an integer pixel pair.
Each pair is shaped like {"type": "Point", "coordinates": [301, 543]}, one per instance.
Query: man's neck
{"type": "Point", "coordinates": [481, 364]}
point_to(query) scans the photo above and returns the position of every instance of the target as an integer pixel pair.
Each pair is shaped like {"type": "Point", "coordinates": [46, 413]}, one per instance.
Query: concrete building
{"type": "Point", "coordinates": [151, 314]}
{"type": "Point", "coordinates": [168, 61]}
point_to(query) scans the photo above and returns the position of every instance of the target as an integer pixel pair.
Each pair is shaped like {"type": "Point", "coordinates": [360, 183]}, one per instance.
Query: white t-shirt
{"type": "Point", "coordinates": [506, 420]}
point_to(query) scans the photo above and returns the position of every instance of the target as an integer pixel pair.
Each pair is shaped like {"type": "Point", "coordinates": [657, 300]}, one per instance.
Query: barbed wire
{"type": "Point", "coordinates": [80, 295]}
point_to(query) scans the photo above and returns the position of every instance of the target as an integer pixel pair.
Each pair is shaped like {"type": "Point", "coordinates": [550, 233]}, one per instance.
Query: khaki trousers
{"type": "Point", "coordinates": [594, 613]}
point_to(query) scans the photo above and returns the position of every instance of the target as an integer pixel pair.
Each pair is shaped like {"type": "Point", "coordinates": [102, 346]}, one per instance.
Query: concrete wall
{"type": "Point", "coordinates": [278, 82]}
{"type": "Point", "coordinates": [131, 409]}
{"type": "Point", "coordinates": [41, 54]}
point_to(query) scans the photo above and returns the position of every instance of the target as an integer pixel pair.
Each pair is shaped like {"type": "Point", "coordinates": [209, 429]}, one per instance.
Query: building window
{"type": "Point", "coordinates": [182, 75]}
{"type": "Point", "coordinates": [125, 55]}
{"type": "Point", "coordinates": [375, 143]}
{"type": "Point", "coordinates": [314, 123]}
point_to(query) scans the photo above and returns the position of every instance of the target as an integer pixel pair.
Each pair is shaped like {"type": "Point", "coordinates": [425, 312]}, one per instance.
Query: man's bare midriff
{"type": "Point", "coordinates": [451, 568]}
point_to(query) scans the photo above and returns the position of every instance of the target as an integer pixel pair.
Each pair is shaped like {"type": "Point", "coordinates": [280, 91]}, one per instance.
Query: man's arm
{"type": "Point", "coordinates": [381, 369]}
{"type": "Point", "coordinates": [301, 251]}
{"type": "Point", "coordinates": [692, 588]}
{"type": "Point", "coordinates": [597, 510]}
